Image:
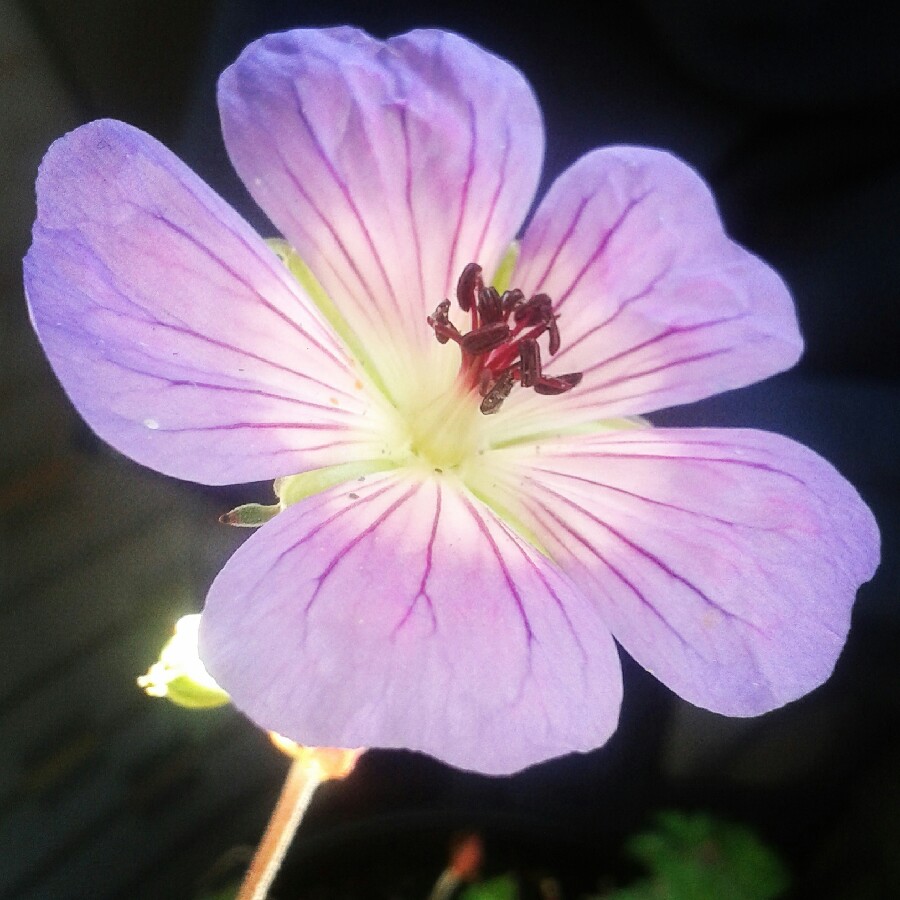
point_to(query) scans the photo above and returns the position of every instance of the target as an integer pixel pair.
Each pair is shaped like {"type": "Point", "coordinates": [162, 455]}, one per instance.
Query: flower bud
{"type": "Point", "coordinates": [179, 675]}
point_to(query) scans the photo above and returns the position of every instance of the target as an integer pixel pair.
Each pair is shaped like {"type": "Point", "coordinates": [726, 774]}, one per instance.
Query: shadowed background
{"type": "Point", "coordinates": [789, 110]}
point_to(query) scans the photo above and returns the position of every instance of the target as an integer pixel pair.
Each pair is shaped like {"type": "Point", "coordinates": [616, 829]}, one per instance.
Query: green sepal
{"type": "Point", "coordinates": [250, 515]}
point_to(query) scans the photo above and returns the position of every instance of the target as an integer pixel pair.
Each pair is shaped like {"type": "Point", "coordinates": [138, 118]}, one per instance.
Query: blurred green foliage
{"type": "Point", "coordinates": [500, 888]}
{"type": "Point", "coordinates": [698, 857]}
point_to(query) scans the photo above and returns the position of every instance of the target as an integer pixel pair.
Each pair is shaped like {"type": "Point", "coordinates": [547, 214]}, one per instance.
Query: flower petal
{"type": "Point", "coordinates": [725, 562]}
{"type": "Point", "coordinates": [657, 306]}
{"type": "Point", "coordinates": [399, 612]}
{"type": "Point", "coordinates": [177, 333]}
{"type": "Point", "coordinates": [388, 166]}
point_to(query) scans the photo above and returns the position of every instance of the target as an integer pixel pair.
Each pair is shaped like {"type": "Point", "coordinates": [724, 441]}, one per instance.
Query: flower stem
{"type": "Point", "coordinates": [298, 789]}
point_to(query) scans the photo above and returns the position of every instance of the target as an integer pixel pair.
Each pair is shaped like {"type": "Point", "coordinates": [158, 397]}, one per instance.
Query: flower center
{"type": "Point", "coordinates": [445, 432]}
{"type": "Point", "coordinates": [501, 348]}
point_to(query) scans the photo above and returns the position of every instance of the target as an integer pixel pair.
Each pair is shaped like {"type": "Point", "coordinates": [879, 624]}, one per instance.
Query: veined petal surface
{"type": "Point", "coordinates": [177, 333]}
{"type": "Point", "coordinates": [397, 611]}
{"type": "Point", "coordinates": [725, 562]}
{"type": "Point", "coordinates": [388, 166]}
{"type": "Point", "coordinates": [657, 306]}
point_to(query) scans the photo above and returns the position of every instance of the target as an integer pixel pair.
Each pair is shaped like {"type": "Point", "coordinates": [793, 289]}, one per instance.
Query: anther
{"type": "Point", "coordinates": [498, 392]}
{"type": "Point", "coordinates": [489, 306]}
{"type": "Point", "coordinates": [501, 348]}
{"type": "Point", "coordinates": [536, 311]}
{"type": "Point", "coordinates": [553, 328]}
{"type": "Point", "coordinates": [558, 384]}
{"type": "Point", "coordinates": [439, 320]}
{"type": "Point", "coordinates": [469, 286]}
{"type": "Point", "coordinates": [529, 362]}
{"type": "Point", "coordinates": [484, 339]}
{"type": "Point", "coordinates": [511, 300]}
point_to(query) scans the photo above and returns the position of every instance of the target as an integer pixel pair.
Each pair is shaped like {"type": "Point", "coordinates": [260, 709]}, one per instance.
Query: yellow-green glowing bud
{"type": "Point", "coordinates": [179, 675]}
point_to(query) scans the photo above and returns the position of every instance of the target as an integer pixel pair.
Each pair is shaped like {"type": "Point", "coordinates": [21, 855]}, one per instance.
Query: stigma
{"type": "Point", "coordinates": [500, 350]}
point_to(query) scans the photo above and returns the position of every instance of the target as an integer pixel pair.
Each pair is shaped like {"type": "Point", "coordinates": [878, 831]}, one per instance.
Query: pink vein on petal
{"type": "Point", "coordinates": [404, 127]}
{"type": "Point", "coordinates": [215, 342]}
{"type": "Point", "coordinates": [348, 197]}
{"type": "Point", "coordinates": [701, 459]}
{"type": "Point", "coordinates": [464, 198]}
{"type": "Point", "coordinates": [265, 426]}
{"type": "Point", "coordinates": [650, 500]}
{"type": "Point", "coordinates": [422, 592]}
{"type": "Point", "coordinates": [543, 579]}
{"type": "Point", "coordinates": [495, 198]}
{"type": "Point", "coordinates": [251, 247]}
{"type": "Point", "coordinates": [180, 326]}
{"type": "Point", "coordinates": [631, 376]}
{"type": "Point", "coordinates": [356, 539]}
{"type": "Point", "coordinates": [576, 218]}
{"type": "Point", "coordinates": [329, 352]}
{"type": "Point", "coordinates": [595, 552]}
{"type": "Point", "coordinates": [330, 445]}
{"type": "Point", "coordinates": [650, 557]}
{"type": "Point", "coordinates": [640, 295]}
{"type": "Point", "coordinates": [510, 583]}
{"type": "Point", "coordinates": [253, 392]}
{"type": "Point", "coordinates": [363, 307]}
{"type": "Point", "coordinates": [314, 531]}
{"type": "Point", "coordinates": [601, 248]}
{"type": "Point", "coordinates": [598, 251]}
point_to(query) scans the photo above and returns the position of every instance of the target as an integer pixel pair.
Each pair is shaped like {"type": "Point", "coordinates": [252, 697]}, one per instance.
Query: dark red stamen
{"type": "Point", "coordinates": [490, 308]}
{"type": "Point", "coordinates": [501, 348]}
{"type": "Point", "coordinates": [484, 339]}
{"type": "Point", "coordinates": [439, 320]}
{"type": "Point", "coordinates": [553, 329]}
{"type": "Point", "coordinates": [529, 362]}
{"type": "Point", "coordinates": [510, 300]}
{"type": "Point", "coordinates": [497, 393]}
{"type": "Point", "coordinates": [547, 384]}
{"type": "Point", "coordinates": [468, 286]}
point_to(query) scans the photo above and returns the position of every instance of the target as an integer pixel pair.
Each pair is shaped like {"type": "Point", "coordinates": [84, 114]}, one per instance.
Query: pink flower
{"type": "Point", "coordinates": [442, 579]}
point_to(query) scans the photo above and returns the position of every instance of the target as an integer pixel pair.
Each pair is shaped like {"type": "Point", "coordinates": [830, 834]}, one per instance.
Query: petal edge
{"type": "Point", "coordinates": [177, 333]}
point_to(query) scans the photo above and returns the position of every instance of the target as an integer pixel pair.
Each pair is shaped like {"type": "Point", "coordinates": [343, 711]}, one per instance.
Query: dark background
{"type": "Point", "coordinates": [790, 110]}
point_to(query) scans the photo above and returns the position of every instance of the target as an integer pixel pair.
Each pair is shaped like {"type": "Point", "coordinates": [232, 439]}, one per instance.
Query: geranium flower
{"type": "Point", "coordinates": [472, 511]}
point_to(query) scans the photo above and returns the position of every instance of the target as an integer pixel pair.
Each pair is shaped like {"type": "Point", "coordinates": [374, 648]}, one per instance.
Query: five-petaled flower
{"type": "Point", "coordinates": [472, 507]}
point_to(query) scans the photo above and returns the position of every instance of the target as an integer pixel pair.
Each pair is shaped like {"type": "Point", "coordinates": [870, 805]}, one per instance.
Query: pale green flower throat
{"type": "Point", "coordinates": [498, 353]}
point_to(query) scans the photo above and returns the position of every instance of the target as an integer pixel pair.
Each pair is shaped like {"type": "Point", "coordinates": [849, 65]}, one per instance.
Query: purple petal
{"type": "Point", "coordinates": [725, 562]}
{"type": "Point", "coordinates": [388, 166]}
{"type": "Point", "coordinates": [177, 333]}
{"type": "Point", "coordinates": [399, 612]}
{"type": "Point", "coordinates": [657, 306]}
